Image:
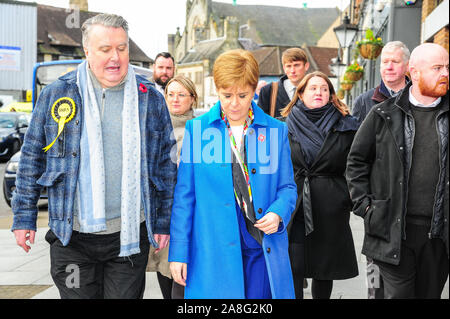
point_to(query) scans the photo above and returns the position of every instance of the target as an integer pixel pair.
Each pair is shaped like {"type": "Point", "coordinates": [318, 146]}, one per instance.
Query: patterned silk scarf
{"type": "Point", "coordinates": [239, 155]}
{"type": "Point", "coordinates": [91, 176]}
{"type": "Point", "coordinates": [241, 177]}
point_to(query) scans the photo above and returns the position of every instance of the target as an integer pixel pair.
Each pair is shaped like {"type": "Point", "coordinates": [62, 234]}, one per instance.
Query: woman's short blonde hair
{"type": "Point", "coordinates": [341, 106]}
{"type": "Point", "coordinates": [187, 84]}
{"type": "Point", "coordinates": [236, 68]}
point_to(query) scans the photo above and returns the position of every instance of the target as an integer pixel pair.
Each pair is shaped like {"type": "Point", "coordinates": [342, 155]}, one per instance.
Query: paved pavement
{"type": "Point", "coordinates": [25, 275]}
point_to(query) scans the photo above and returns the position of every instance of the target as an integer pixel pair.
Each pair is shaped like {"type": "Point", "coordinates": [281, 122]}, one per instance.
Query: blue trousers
{"type": "Point", "coordinates": [257, 285]}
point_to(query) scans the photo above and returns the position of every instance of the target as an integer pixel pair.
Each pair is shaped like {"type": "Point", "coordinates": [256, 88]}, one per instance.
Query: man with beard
{"type": "Point", "coordinates": [163, 70]}
{"type": "Point", "coordinates": [397, 173]}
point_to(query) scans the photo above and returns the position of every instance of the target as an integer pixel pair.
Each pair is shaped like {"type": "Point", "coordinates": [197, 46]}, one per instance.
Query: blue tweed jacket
{"type": "Point", "coordinates": [57, 169]}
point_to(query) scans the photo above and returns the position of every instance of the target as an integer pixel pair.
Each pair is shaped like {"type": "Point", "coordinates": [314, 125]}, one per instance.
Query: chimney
{"type": "Point", "coordinates": [231, 29]}
{"type": "Point", "coordinates": [79, 4]}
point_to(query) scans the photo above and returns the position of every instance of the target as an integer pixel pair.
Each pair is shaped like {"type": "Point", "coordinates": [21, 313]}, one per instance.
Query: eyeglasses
{"type": "Point", "coordinates": [180, 95]}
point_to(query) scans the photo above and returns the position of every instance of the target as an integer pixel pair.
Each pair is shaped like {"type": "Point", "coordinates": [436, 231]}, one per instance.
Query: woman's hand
{"type": "Point", "coordinates": [179, 272]}
{"type": "Point", "coordinates": [269, 223]}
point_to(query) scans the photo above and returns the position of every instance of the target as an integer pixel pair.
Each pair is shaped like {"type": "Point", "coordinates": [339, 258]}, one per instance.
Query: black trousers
{"type": "Point", "coordinates": [423, 268]}
{"type": "Point", "coordinates": [89, 266]}
{"type": "Point", "coordinates": [169, 288]}
{"type": "Point", "coordinates": [375, 290]}
{"type": "Point", "coordinates": [297, 258]}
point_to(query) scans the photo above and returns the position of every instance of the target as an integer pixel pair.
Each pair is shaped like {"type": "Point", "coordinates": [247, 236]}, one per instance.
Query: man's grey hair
{"type": "Point", "coordinates": [104, 19]}
{"type": "Point", "coordinates": [394, 45]}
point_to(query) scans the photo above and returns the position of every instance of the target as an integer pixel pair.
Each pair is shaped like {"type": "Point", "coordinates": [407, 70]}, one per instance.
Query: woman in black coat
{"type": "Point", "coordinates": [321, 132]}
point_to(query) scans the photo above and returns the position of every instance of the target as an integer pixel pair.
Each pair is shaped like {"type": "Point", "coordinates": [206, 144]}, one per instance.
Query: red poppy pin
{"type": "Point", "coordinates": [142, 88]}
{"type": "Point", "coordinates": [261, 138]}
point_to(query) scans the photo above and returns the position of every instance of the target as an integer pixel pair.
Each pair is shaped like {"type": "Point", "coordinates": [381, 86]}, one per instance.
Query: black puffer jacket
{"type": "Point", "coordinates": [377, 175]}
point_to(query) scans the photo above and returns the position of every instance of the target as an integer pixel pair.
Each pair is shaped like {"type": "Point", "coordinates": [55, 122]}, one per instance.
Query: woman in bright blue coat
{"type": "Point", "coordinates": [234, 196]}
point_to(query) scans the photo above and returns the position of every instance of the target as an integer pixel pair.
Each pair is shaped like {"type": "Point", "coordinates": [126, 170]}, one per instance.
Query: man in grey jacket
{"type": "Point", "coordinates": [397, 173]}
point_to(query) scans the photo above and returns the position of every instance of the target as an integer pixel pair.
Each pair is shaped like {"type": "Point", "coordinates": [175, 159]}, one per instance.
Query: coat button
{"type": "Point", "coordinates": [69, 220]}
{"type": "Point", "coordinates": [268, 250]}
{"type": "Point", "coordinates": [401, 148]}
{"type": "Point", "coordinates": [251, 131]}
{"type": "Point", "coordinates": [253, 170]}
{"type": "Point", "coordinates": [77, 122]}
{"type": "Point", "coordinates": [260, 210]}
{"type": "Point", "coordinates": [74, 154]}
{"type": "Point", "coordinates": [395, 256]}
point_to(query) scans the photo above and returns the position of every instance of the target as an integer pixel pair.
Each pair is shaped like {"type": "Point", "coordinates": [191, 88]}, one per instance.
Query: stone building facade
{"type": "Point", "coordinates": [435, 18]}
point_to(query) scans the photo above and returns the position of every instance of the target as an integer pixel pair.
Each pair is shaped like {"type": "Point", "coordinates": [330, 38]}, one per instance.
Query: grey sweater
{"type": "Point", "coordinates": [110, 103]}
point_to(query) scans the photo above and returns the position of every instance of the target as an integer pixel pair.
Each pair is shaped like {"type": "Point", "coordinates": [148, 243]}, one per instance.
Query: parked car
{"type": "Point", "coordinates": [9, 179]}
{"type": "Point", "coordinates": [13, 126]}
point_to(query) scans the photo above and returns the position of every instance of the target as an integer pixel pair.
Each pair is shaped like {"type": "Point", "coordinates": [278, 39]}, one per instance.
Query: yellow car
{"type": "Point", "coordinates": [18, 107]}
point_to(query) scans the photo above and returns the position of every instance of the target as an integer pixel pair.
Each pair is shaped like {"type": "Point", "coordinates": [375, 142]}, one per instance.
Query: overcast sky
{"type": "Point", "coordinates": [151, 21]}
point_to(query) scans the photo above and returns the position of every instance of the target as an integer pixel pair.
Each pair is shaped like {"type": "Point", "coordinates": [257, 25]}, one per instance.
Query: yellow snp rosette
{"type": "Point", "coordinates": [63, 111]}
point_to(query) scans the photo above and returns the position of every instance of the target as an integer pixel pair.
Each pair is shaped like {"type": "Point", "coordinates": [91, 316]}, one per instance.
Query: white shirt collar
{"type": "Point", "coordinates": [290, 88]}
{"type": "Point", "coordinates": [414, 101]}
{"type": "Point", "coordinates": [159, 88]}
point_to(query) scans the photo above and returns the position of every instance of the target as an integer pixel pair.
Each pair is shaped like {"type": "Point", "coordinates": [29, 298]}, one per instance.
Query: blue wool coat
{"type": "Point", "coordinates": [204, 227]}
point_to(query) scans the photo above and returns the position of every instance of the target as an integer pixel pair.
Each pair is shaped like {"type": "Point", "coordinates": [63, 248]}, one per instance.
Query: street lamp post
{"type": "Point", "coordinates": [338, 68]}
{"type": "Point", "coordinates": [345, 33]}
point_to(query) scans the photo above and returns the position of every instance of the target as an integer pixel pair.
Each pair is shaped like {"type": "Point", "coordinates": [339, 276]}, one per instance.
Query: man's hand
{"type": "Point", "coordinates": [162, 240]}
{"type": "Point", "coordinates": [179, 272]}
{"type": "Point", "coordinates": [22, 236]}
{"type": "Point", "coordinates": [269, 223]}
